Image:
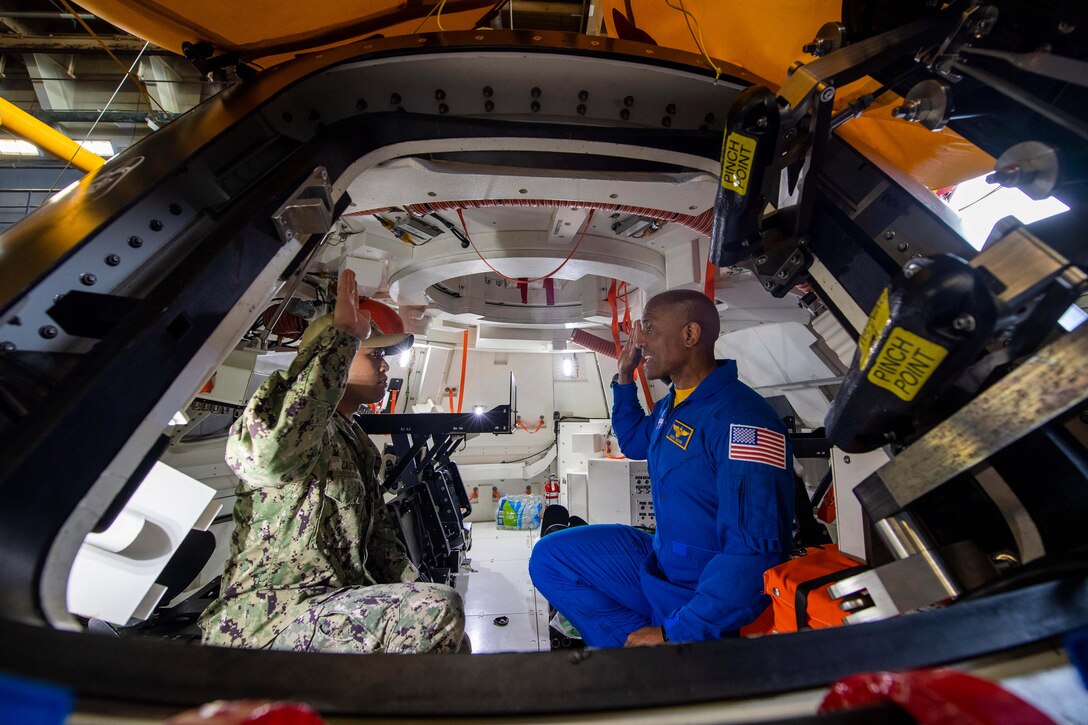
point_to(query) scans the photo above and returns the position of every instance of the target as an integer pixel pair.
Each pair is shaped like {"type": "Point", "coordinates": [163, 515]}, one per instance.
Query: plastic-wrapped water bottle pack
{"type": "Point", "coordinates": [519, 512]}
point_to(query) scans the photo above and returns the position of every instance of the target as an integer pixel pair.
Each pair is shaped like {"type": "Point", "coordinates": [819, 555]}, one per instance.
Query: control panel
{"type": "Point", "coordinates": [642, 504]}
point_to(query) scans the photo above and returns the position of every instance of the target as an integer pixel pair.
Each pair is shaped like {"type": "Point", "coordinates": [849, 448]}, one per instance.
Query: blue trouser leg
{"type": "Point", "coordinates": [591, 575]}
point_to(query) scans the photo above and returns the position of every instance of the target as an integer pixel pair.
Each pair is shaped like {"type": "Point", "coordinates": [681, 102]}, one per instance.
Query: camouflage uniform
{"type": "Point", "coordinates": [315, 562]}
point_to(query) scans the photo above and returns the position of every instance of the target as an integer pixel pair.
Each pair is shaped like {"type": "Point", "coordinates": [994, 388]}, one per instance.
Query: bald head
{"type": "Point", "coordinates": [687, 306]}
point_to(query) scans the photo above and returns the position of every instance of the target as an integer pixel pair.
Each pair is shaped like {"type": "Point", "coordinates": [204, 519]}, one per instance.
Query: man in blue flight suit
{"type": "Point", "coordinates": [721, 471]}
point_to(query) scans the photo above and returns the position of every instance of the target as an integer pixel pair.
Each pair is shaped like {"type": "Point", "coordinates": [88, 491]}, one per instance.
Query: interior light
{"type": "Point", "coordinates": [179, 418]}
{"type": "Point", "coordinates": [17, 147]}
{"type": "Point", "coordinates": [102, 147]}
{"type": "Point", "coordinates": [404, 357]}
{"type": "Point", "coordinates": [478, 409]}
{"type": "Point", "coordinates": [568, 367]}
{"type": "Point", "coordinates": [981, 205]}
{"type": "Point", "coordinates": [1072, 318]}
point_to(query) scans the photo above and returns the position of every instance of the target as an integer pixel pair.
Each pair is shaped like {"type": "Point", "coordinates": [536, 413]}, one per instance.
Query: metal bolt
{"type": "Point", "coordinates": [135, 242]}
{"type": "Point", "coordinates": [535, 105]}
{"type": "Point", "coordinates": [628, 101]}
{"type": "Point", "coordinates": [155, 225]}
{"type": "Point", "coordinates": [775, 591]}
{"type": "Point", "coordinates": [911, 269]}
{"type": "Point", "coordinates": [795, 259]}
{"type": "Point", "coordinates": [583, 95]}
{"type": "Point", "coordinates": [827, 94]}
{"type": "Point", "coordinates": [889, 235]}
{"type": "Point", "coordinates": [908, 111]}
{"type": "Point", "coordinates": [443, 108]}
{"type": "Point", "coordinates": [761, 122]}
{"type": "Point", "coordinates": [666, 121]}
{"type": "Point", "coordinates": [394, 100]}
{"type": "Point", "coordinates": [902, 246]}
{"type": "Point", "coordinates": [625, 114]}
{"type": "Point", "coordinates": [113, 260]}
{"type": "Point", "coordinates": [88, 279]}
{"type": "Point", "coordinates": [488, 92]}
{"type": "Point", "coordinates": [802, 242]}
{"type": "Point", "coordinates": [790, 134]}
{"type": "Point", "coordinates": [48, 332]}
{"type": "Point", "coordinates": [781, 274]}
{"type": "Point", "coordinates": [7, 346]}
{"type": "Point", "coordinates": [1066, 28]}
{"type": "Point", "coordinates": [852, 604]}
{"type": "Point", "coordinates": [439, 94]}
{"type": "Point", "coordinates": [761, 260]}
{"type": "Point", "coordinates": [670, 109]}
{"type": "Point", "coordinates": [581, 109]}
{"type": "Point", "coordinates": [535, 92]}
{"type": "Point", "coordinates": [964, 323]}
{"type": "Point", "coordinates": [175, 209]}
{"type": "Point", "coordinates": [489, 106]}
{"type": "Point", "coordinates": [1007, 175]}
{"type": "Point", "coordinates": [846, 459]}
{"type": "Point", "coordinates": [768, 285]}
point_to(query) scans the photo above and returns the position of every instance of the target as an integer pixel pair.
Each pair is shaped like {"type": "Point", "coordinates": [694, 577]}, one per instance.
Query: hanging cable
{"type": "Point", "coordinates": [518, 280]}
{"type": "Point", "coordinates": [438, 17]}
{"type": "Point", "coordinates": [539, 425]}
{"type": "Point", "coordinates": [697, 38]}
{"type": "Point", "coordinates": [101, 113]}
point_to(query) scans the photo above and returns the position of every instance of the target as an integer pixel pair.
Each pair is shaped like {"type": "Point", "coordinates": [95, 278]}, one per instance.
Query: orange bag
{"type": "Point", "coordinates": [801, 584]}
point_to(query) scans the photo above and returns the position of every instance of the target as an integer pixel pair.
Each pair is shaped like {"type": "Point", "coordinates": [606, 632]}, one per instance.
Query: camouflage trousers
{"type": "Point", "coordinates": [391, 618]}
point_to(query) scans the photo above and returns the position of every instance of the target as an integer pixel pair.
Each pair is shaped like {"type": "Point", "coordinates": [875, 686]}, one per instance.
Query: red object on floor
{"type": "Point", "coordinates": [934, 697]}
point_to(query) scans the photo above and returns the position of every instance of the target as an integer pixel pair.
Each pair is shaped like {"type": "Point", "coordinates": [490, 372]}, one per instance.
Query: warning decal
{"type": "Point", "coordinates": [905, 363]}
{"type": "Point", "coordinates": [870, 336]}
{"type": "Point", "coordinates": [738, 152]}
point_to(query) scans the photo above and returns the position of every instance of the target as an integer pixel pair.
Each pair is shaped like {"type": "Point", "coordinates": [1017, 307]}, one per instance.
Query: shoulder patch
{"type": "Point", "coordinates": [758, 445]}
{"type": "Point", "coordinates": [680, 434]}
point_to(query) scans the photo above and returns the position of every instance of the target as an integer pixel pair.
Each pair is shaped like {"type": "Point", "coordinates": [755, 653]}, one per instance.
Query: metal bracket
{"type": "Point", "coordinates": [309, 210]}
{"type": "Point", "coordinates": [912, 583]}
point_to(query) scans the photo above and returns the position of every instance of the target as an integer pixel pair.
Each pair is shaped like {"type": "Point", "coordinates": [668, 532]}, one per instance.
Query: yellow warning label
{"type": "Point", "coordinates": [870, 336]}
{"type": "Point", "coordinates": [905, 363]}
{"type": "Point", "coordinates": [738, 152]}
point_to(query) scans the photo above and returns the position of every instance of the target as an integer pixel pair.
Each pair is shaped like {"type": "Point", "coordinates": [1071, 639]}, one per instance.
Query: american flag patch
{"type": "Point", "coordinates": [748, 443]}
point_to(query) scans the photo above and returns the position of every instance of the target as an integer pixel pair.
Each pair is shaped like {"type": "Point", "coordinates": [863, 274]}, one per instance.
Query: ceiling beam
{"type": "Point", "coordinates": [76, 44]}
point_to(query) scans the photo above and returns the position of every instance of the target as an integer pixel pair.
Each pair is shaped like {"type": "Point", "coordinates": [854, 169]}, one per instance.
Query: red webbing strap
{"type": "Point", "coordinates": [708, 279]}
{"type": "Point", "coordinates": [464, 364]}
{"type": "Point", "coordinates": [549, 291]}
{"type": "Point", "coordinates": [615, 318]}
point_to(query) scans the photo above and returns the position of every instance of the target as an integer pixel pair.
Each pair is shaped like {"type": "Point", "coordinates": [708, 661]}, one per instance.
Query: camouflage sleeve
{"type": "Point", "coordinates": [387, 549]}
{"type": "Point", "coordinates": [278, 438]}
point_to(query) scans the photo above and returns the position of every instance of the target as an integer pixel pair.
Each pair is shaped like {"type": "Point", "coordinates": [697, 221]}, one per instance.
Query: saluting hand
{"type": "Point", "coordinates": [346, 316]}
{"type": "Point", "coordinates": [630, 356]}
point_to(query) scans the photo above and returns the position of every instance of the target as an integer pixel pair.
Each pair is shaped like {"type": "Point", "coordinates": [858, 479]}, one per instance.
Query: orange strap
{"type": "Point", "coordinates": [708, 279]}
{"type": "Point", "coordinates": [640, 373]}
{"type": "Point", "coordinates": [464, 363]}
{"type": "Point", "coordinates": [393, 401]}
{"type": "Point", "coordinates": [450, 391]}
{"type": "Point", "coordinates": [615, 318]}
{"type": "Point", "coordinates": [539, 425]}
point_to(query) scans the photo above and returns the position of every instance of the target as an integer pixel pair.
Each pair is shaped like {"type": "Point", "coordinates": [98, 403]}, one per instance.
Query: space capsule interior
{"type": "Point", "coordinates": [517, 196]}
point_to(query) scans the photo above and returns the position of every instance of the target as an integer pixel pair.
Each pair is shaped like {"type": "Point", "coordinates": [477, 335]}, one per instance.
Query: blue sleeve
{"type": "Point", "coordinates": [630, 422]}
{"type": "Point", "coordinates": [755, 533]}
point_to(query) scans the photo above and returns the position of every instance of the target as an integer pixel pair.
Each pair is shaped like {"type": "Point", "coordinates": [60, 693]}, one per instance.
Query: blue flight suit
{"type": "Point", "coordinates": [721, 471]}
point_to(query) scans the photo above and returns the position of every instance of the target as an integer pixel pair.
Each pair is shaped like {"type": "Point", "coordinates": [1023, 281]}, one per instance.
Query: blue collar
{"type": "Point", "coordinates": [725, 373]}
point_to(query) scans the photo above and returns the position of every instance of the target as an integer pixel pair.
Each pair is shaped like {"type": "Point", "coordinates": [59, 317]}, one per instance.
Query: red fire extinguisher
{"type": "Point", "coordinates": [551, 491]}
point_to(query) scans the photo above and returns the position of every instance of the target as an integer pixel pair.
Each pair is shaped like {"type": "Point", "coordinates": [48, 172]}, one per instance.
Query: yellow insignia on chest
{"type": "Point", "coordinates": [680, 434]}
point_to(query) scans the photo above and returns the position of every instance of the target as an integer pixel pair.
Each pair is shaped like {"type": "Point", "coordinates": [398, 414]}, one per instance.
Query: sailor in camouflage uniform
{"type": "Point", "coordinates": [315, 563]}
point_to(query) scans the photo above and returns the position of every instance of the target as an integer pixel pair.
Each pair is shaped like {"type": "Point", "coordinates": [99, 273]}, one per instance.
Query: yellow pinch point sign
{"type": "Point", "coordinates": [738, 155]}
{"type": "Point", "coordinates": [905, 362]}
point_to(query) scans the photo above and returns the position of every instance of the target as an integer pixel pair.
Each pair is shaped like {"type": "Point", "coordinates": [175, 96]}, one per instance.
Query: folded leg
{"type": "Point", "coordinates": [591, 575]}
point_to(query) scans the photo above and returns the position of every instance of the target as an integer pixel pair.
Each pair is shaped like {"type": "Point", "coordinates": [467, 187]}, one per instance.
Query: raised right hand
{"type": "Point", "coordinates": [346, 316]}
{"type": "Point", "coordinates": [631, 355]}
